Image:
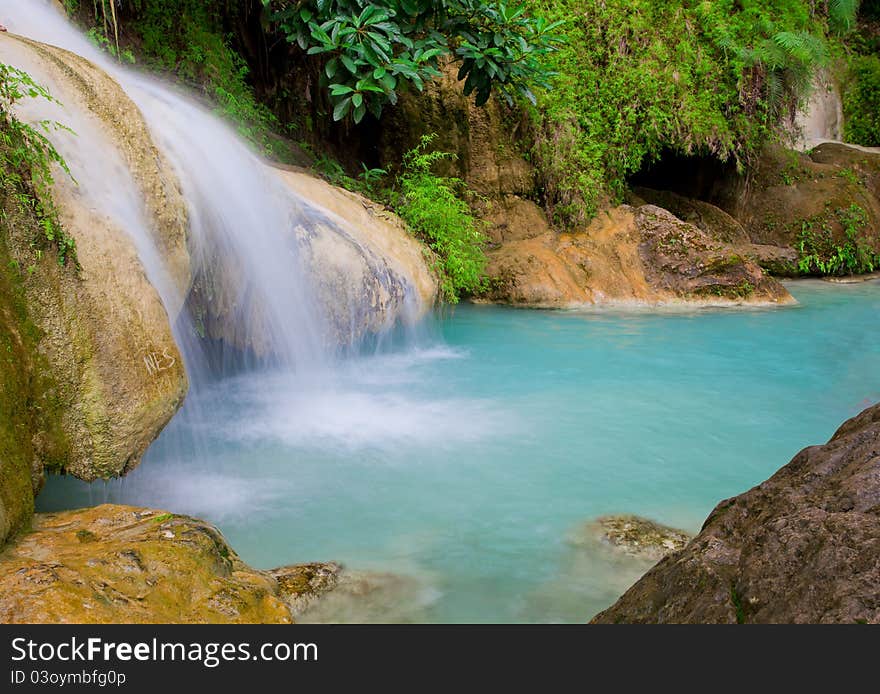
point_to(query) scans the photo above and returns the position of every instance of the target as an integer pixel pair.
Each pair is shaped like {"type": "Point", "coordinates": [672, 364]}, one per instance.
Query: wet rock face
{"type": "Point", "coordinates": [634, 536]}
{"type": "Point", "coordinates": [802, 547]}
{"type": "Point", "coordinates": [366, 272]}
{"type": "Point", "coordinates": [116, 564]}
{"type": "Point", "coordinates": [104, 331]}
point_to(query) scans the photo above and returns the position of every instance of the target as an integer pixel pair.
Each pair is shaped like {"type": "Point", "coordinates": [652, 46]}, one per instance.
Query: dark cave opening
{"type": "Point", "coordinates": [699, 176]}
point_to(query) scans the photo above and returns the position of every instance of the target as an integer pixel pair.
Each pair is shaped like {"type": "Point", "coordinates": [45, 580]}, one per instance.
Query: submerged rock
{"type": "Point", "coordinates": [329, 593]}
{"type": "Point", "coordinates": [633, 536]}
{"type": "Point", "coordinates": [118, 564]}
{"type": "Point", "coordinates": [301, 585]}
{"type": "Point", "coordinates": [802, 547]}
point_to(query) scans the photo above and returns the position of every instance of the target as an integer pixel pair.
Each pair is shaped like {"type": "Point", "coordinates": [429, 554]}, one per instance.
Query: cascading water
{"type": "Point", "coordinates": [249, 324]}
{"type": "Point", "coordinates": [241, 219]}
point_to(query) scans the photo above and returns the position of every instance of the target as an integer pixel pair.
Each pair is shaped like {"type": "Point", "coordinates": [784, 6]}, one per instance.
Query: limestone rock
{"type": "Point", "coordinates": [710, 219]}
{"type": "Point", "coordinates": [862, 163]}
{"type": "Point", "coordinates": [30, 431]}
{"type": "Point", "coordinates": [103, 330]}
{"type": "Point", "coordinates": [627, 255]}
{"type": "Point", "coordinates": [789, 190]}
{"type": "Point", "coordinates": [802, 547]}
{"type": "Point", "coordinates": [368, 270]}
{"type": "Point", "coordinates": [682, 261]}
{"type": "Point", "coordinates": [821, 118]}
{"type": "Point", "coordinates": [512, 218]}
{"type": "Point", "coordinates": [79, 84]}
{"type": "Point", "coordinates": [118, 564]}
{"type": "Point", "coordinates": [301, 585]}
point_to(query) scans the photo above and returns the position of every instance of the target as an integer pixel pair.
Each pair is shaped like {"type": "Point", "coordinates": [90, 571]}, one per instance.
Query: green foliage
{"type": "Point", "coordinates": [820, 253]}
{"type": "Point", "coordinates": [100, 40]}
{"type": "Point", "coordinates": [186, 37]}
{"type": "Point", "coordinates": [637, 78]}
{"type": "Point", "coordinates": [27, 158]}
{"type": "Point", "coordinates": [368, 181]}
{"type": "Point", "coordinates": [859, 51]}
{"type": "Point", "coordinates": [369, 50]}
{"type": "Point", "coordinates": [861, 101]}
{"type": "Point", "coordinates": [842, 14]}
{"type": "Point", "coordinates": [737, 603]}
{"type": "Point", "coordinates": [433, 208]}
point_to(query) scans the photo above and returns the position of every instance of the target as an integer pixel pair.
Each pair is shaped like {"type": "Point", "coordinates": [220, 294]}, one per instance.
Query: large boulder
{"type": "Point", "coordinates": [368, 271]}
{"type": "Point", "coordinates": [102, 327]}
{"type": "Point", "coordinates": [364, 270]}
{"type": "Point", "coordinates": [627, 254]}
{"type": "Point", "coordinates": [803, 547]}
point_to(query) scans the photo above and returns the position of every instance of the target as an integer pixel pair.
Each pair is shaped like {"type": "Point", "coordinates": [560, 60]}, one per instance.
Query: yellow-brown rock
{"type": "Point", "coordinates": [627, 255]}
{"type": "Point", "coordinates": [119, 564]}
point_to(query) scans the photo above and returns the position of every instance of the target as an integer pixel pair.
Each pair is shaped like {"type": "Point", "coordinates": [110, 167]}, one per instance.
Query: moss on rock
{"type": "Point", "coordinates": [30, 431]}
{"type": "Point", "coordinates": [117, 564]}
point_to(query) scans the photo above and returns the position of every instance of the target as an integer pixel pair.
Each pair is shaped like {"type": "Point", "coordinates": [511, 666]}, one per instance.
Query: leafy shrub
{"type": "Point", "coordinates": [370, 49]}
{"type": "Point", "coordinates": [27, 158]}
{"type": "Point", "coordinates": [433, 208]}
{"type": "Point", "coordinates": [819, 253]}
{"type": "Point", "coordinates": [861, 101]}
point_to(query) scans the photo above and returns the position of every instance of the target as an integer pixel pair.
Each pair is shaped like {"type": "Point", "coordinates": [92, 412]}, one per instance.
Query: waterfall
{"type": "Point", "coordinates": [271, 289]}
{"type": "Point", "coordinates": [240, 216]}
{"type": "Point", "coordinates": [258, 282]}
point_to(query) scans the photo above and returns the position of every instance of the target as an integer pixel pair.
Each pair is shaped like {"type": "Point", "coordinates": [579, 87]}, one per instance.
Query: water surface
{"type": "Point", "coordinates": [465, 462]}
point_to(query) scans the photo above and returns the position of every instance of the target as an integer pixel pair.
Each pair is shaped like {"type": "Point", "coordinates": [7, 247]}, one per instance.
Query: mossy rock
{"type": "Point", "coordinates": [31, 435]}
{"type": "Point", "coordinates": [633, 536]}
{"type": "Point", "coordinates": [117, 564]}
{"type": "Point", "coordinates": [789, 190]}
